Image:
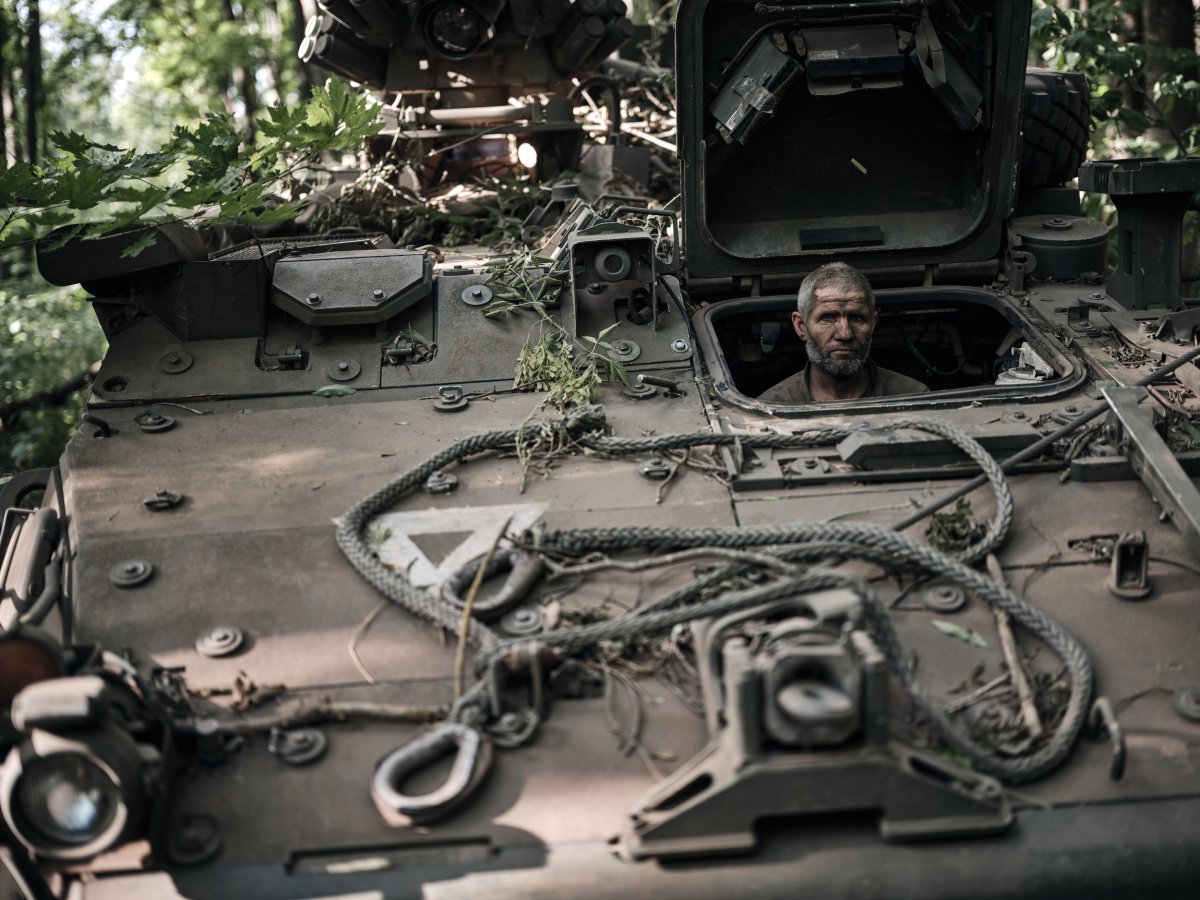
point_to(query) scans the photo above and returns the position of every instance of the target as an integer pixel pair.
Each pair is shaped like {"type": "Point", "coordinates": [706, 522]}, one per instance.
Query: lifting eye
{"type": "Point", "coordinates": [472, 762]}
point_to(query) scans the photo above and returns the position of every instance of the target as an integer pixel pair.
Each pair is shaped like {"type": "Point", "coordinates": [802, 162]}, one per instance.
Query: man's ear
{"type": "Point", "coordinates": [798, 325]}
{"type": "Point", "coordinates": [874, 319]}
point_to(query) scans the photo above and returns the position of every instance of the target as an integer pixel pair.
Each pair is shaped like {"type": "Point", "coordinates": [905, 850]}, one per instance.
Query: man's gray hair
{"type": "Point", "coordinates": [836, 275]}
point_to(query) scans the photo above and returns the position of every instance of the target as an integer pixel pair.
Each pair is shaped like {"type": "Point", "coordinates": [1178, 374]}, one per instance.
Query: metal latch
{"type": "Point", "coordinates": [399, 353]}
{"type": "Point", "coordinates": [292, 357]}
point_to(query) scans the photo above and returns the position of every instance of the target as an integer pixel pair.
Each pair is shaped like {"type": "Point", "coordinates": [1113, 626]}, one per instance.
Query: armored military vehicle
{"type": "Point", "coordinates": [318, 603]}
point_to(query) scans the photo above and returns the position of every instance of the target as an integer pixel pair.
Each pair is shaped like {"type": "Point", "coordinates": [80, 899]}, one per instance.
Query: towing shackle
{"type": "Point", "coordinates": [472, 761]}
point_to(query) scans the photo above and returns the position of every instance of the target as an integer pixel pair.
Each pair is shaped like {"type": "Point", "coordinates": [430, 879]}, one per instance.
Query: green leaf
{"type": "Point", "coordinates": [64, 237]}
{"type": "Point", "coordinates": [320, 110]}
{"type": "Point", "coordinates": [334, 390]}
{"type": "Point", "coordinates": [146, 165]}
{"type": "Point", "coordinates": [969, 635]}
{"type": "Point", "coordinates": [20, 185]}
{"type": "Point", "coordinates": [280, 121]}
{"type": "Point", "coordinates": [49, 219]}
{"type": "Point", "coordinates": [142, 243]}
{"type": "Point", "coordinates": [497, 308]}
{"type": "Point", "coordinates": [84, 188]}
{"type": "Point", "coordinates": [280, 213]}
{"type": "Point", "coordinates": [75, 144]}
{"type": "Point", "coordinates": [607, 331]}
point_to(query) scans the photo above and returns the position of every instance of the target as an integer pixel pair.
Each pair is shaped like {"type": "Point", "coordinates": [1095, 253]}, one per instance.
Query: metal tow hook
{"type": "Point", "coordinates": [472, 762]}
{"type": "Point", "coordinates": [1103, 721]}
{"type": "Point", "coordinates": [521, 571]}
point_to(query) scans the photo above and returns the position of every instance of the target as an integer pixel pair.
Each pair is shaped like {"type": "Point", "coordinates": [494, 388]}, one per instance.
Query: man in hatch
{"type": "Point", "coordinates": [835, 317]}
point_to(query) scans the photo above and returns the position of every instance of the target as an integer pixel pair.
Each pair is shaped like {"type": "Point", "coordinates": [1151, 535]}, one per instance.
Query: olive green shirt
{"type": "Point", "coordinates": [794, 391]}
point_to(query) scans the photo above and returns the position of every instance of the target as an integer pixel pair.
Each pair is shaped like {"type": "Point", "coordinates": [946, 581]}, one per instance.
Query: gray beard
{"type": "Point", "coordinates": [837, 368]}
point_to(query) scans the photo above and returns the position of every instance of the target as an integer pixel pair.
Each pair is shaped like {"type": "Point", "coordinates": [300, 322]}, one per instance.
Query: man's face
{"type": "Point", "coordinates": [837, 333]}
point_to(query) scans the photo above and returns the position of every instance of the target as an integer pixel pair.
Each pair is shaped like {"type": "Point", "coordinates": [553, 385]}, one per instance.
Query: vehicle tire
{"type": "Point", "coordinates": [1055, 118]}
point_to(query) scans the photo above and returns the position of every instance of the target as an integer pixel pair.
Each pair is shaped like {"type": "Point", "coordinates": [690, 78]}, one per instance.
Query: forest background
{"type": "Point", "coordinates": [177, 77]}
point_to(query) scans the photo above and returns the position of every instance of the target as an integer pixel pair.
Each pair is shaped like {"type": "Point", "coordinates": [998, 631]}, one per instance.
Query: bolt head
{"type": "Point", "coordinates": [377, 293]}
{"type": "Point", "coordinates": [343, 367]}
{"type": "Point", "coordinates": [313, 299]}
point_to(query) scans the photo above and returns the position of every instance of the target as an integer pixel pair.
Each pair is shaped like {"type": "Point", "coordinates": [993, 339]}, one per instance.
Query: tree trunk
{"type": "Point", "coordinates": [242, 77]}
{"type": "Point", "coordinates": [4, 76]}
{"type": "Point", "coordinates": [225, 79]}
{"type": "Point", "coordinates": [247, 76]}
{"type": "Point", "coordinates": [1131, 33]}
{"type": "Point", "coordinates": [1169, 27]}
{"type": "Point", "coordinates": [33, 81]}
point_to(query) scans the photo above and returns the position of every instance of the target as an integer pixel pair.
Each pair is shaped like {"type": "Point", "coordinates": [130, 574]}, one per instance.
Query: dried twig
{"type": "Point", "coordinates": [976, 695]}
{"type": "Point", "coordinates": [332, 711]}
{"type": "Point", "coordinates": [460, 656]}
{"type": "Point", "coordinates": [359, 632]}
{"type": "Point", "coordinates": [1012, 657]}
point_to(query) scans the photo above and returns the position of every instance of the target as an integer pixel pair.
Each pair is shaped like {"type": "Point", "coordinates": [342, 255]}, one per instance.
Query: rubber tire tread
{"type": "Point", "coordinates": [1055, 120]}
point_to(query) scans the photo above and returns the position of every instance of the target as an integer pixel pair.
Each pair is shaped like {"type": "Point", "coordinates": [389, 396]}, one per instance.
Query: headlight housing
{"type": "Point", "coordinates": [67, 800]}
{"type": "Point", "coordinates": [78, 790]}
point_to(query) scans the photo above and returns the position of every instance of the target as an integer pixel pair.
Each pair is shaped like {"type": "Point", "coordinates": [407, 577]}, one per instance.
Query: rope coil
{"type": "Point", "coordinates": [796, 542]}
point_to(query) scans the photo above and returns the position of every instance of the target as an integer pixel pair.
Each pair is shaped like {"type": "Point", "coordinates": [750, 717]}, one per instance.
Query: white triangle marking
{"type": "Point", "coordinates": [484, 523]}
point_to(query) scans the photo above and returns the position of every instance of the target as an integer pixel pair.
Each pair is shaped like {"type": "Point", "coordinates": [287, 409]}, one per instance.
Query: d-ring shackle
{"type": "Point", "coordinates": [521, 571]}
{"type": "Point", "coordinates": [472, 762]}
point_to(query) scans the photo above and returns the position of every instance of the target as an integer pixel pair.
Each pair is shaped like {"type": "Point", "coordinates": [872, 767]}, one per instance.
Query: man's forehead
{"type": "Point", "coordinates": [839, 296]}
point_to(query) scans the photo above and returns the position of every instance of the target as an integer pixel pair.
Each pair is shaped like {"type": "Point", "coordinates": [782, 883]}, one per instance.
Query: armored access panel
{"type": "Point", "coordinates": [880, 133]}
